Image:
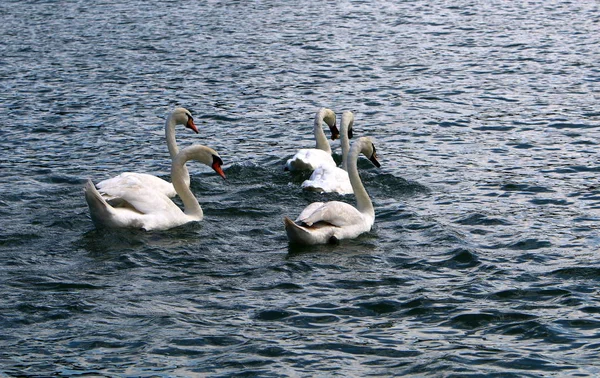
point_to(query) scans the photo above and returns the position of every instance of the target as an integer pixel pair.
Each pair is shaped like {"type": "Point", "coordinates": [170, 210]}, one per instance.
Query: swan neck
{"type": "Point", "coordinates": [322, 143]}
{"type": "Point", "coordinates": [363, 202]}
{"type": "Point", "coordinates": [170, 134]}
{"type": "Point", "coordinates": [345, 142]}
{"type": "Point", "coordinates": [178, 177]}
{"type": "Point", "coordinates": [172, 144]}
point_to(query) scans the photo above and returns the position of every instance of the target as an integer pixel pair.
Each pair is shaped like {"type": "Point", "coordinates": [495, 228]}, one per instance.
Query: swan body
{"type": "Point", "coordinates": [333, 179]}
{"type": "Point", "coordinates": [110, 188]}
{"type": "Point", "coordinates": [308, 159]}
{"type": "Point", "coordinates": [138, 206]}
{"type": "Point", "coordinates": [329, 222]}
{"type": "Point", "coordinates": [328, 179]}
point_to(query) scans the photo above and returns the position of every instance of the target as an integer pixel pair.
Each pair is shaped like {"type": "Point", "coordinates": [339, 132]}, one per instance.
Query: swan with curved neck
{"type": "Point", "coordinates": [328, 179]}
{"type": "Point", "coordinates": [308, 159]}
{"type": "Point", "coordinates": [108, 188]}
{"type": "Point", "coordinates": [329, 222]}
{"type": "Point", "coordinates": [145, 208]}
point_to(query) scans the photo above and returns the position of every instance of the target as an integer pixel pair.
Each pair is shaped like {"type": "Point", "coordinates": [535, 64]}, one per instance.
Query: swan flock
{"type": "Point", "coordinates": [144, 201]}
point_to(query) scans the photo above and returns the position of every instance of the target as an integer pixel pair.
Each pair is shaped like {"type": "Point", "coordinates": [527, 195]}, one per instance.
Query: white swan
{"type": "Point", "coordinates": [333, 179]}
{"type": "Point", "coordinates": [308, 159]}
{"type": "Point", "coordinates": [140, 206]}
{"type": "Point", "coordinates": [110, 188]}
{"type": "Point", "coordinates": [329, 222]}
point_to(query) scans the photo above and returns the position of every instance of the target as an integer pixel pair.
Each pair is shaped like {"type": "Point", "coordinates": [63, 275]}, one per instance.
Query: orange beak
{"type": "Point", "coordinates": [191, 125]}
{"type": "Point", "coordinates": [217, 167]}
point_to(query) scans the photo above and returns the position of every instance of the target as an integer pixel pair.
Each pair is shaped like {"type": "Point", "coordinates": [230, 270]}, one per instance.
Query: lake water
{"type": "Point", "coordinates": [483, 260]}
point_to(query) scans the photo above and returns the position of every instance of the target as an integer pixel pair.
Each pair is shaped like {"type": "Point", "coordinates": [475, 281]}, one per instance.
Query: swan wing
{"type": "Point", "coordinates": [336, 213]}
{"type": "Point", "coordinates": [117, 184]}
{"type": "Point", "coordinates": [309, 159]}
{"type": "Point", "coordinates": [142, 199]}
{"type": "Point", "coordinates": [308, 210]}
{"type": "Point", "coordinates": [327, 179]}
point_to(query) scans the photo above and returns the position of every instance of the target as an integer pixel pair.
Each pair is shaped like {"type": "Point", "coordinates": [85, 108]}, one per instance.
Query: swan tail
{"type": "Point", "coordinates": [99, 208]}
{"type": "Point", "coordinates": [313, 187]}
{"type": "Point", "coordinates": [295, 233]}
{"type": "Point", "coordinates": [308, 236]}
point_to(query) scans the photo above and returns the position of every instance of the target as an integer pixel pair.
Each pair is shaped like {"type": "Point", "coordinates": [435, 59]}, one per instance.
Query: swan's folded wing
{"type": "Point", "coordinates": [111, 187]}
{"type": "Point", "coordinates": [142, 199]}
{"type": "Point", "coordinates": [308, 210]}
{"type": "Point", "coordinates": [309, 159]}
{"type": "Point", "coordinates": [329, 179]}
{"type": "Point", "coordinates": [335, 212]}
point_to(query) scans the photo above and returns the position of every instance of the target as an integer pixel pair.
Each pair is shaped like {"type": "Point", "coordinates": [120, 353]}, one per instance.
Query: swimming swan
{"type": "Point", "coordinates": [328, 179]}
{"type": "Point", "coordinates": [140, 206]}
{"type": "Point", "coordinates": [110, 188]}
{"type": "Point", "coordinates": [308, 159]}
{"type": "Point", "coordinates": [329, 222]}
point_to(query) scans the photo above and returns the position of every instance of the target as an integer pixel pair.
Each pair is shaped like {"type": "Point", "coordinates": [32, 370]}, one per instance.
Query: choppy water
{"type": "Point", "coordinates": [484, 255]}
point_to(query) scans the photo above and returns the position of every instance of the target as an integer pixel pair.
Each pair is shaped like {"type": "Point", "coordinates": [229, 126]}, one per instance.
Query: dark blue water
{"type": "Point", "coordinates": [484, 256]}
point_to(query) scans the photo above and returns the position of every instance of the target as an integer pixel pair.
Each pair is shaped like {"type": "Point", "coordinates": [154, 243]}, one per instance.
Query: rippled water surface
{"type": "Point", "coordinates": [484, 255]}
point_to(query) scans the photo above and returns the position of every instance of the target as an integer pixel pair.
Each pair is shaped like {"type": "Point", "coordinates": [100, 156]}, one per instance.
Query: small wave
{"type": "Point", "coordinates": [578, 273]}
{"type": "Point", "coordinates": [525, 188]}
{"type": "Point", "coordinates": [550, 201]}
{"type": "Point", "coordinates": [479, 320]}
{"type": "Point", "coordinates": [530, 294]}
{"type": "Point", "coordinates": [479, 219]}
{"type": "Point", "coordinates": [561, 125]}
{"type": "Point", "coordinates": [523, 244]}
{"type": "Point", "coordinates": [219, 117]}
{"type": "Point", "coordinates": [460, 258]}
{"type": "Point", "coordinates": [273, 315]}
{"type": "Point", "coordinates": [363, 350]}
{"type": "Point", "coordinates": [531, 329]}
{"type": "Point", "coordinates": [494, 128]}
{"type": "Point", "coordinates": [381, 307]}
{"type": "Point", "coordinates": [392, 186]}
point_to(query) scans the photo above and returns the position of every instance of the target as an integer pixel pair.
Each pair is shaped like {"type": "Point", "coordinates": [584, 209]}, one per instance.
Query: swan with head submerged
{"type": "Point", "coordinates": [308, 159]}
{"type": "Point", "coordinates": [110, 188]}
{"type": "Point", "coordinates": [329, 222]}
{"type": "Point", "coordinates": [139, 206]}
{"type": "Point", "coordinates": [333, 179]}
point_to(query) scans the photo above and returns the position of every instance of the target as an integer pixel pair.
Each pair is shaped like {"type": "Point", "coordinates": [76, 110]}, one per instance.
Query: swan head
{"type": "Point", "coordinates": [368, 149]}
{"type": "Point", "coordinates": [347, 123]}
{"type": "Point", "coordinates": [203, 154]}
{"type": "Point", "coordinates": [217, 165]}
{"type": "Point", "coordinates": [182, 116]}
{"type": "Point", "coordinates": [328, 116]}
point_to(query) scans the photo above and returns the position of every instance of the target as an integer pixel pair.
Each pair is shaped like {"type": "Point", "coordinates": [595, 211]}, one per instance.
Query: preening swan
{"type": "Point", "coordinates": [111, 187]}
{"type": "Point", "coordinates": [329, 222]}
{"type": "Point", "coordinates": [139, 206]}
{"type": "Point", "coordinates": [308, 159]}
{"type": "Point", "coordinates": [333, 179]}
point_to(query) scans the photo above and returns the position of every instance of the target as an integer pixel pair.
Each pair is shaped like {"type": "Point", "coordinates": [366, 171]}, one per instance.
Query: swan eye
{"type": "Point", "coordinates": [217, 160]}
